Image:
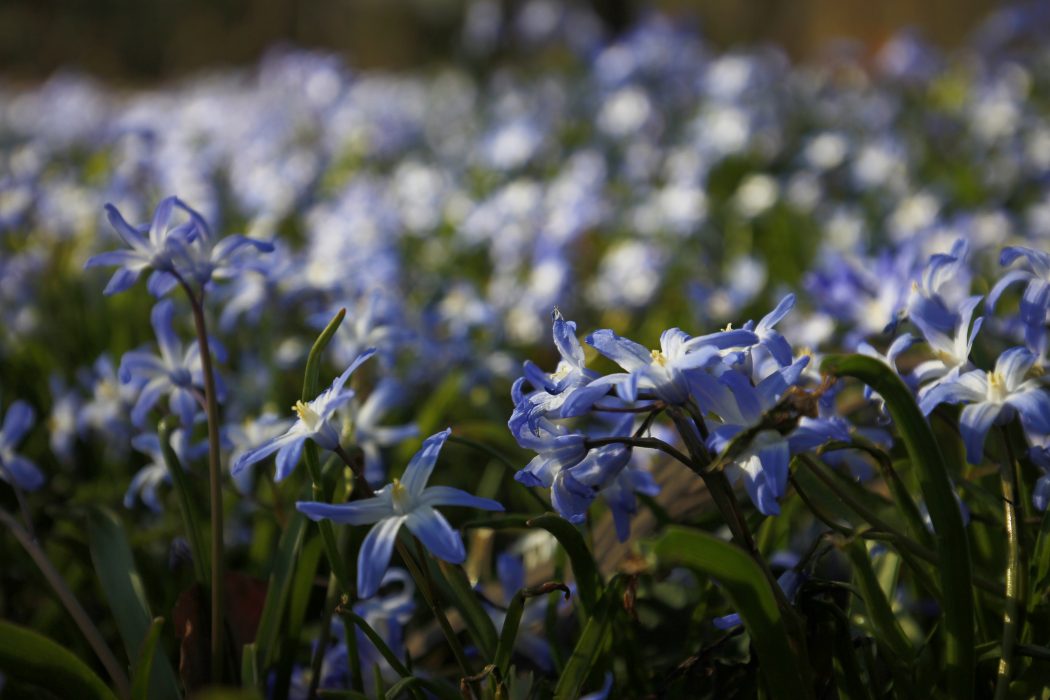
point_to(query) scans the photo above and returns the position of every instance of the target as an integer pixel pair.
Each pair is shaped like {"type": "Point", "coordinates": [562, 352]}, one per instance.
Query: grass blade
{"type": "Point", "coordinates": [588, 582]}
{"type": "Point", "coordinates": [749, 591]}
{"type": "Point", "coordinates": [119, 578]}
{"type": "Point", "coordinates": [141, 673]}
{"type": "Point", "coordinates": [950, 535]}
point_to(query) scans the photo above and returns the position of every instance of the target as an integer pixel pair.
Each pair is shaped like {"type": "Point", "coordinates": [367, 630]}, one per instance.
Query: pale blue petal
{"type": "Point", "coordinates": [23, 473]}
{"type": "Point", "coordinates": [436, 534]}
{"type": "Point", "coordinates": [374, 558]}
{"type": "Point", "coordinates": [128, 233]}
{"type": "Point", "coordinates": [624, 352]}
{"type": "Point", "coordinates": [17, 422]}
{"type": "Point", "coordinates": [288, 458]}
{"type": "Point", "coordinates": [417, 473]}
{"type": "Point", "coordinates": [565, 340]}
{"type": "Point", "coordinates": [364, 512]}
{"type": "Point", "coordinates": [1013, 364]}
{"type": "Point", "coordinates": [1008, 279]}
{"type": "Point", "coordinates": [264, 450]}
{"type": "Point", "coordinates": [148, 398]}
{"type": "Point", "coordinates": [121, 280]}
{"type": "Point", "coordinates": [974, 423]}
{"type": "Point", "coordinates": [449, 496]}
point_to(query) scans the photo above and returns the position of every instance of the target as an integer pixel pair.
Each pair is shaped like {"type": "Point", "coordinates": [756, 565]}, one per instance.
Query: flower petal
{"type": "Point", "coordinates": [417, 473]}
{"type": "Point", "coordinates": [374, 557]}
{"type": "Point", "coordinates": [449, 496]}
{"type": "Point", "coordinates": [974, 423]}
{"type": "Point", "coordinates": [436, 534]}
{"type": "Point", "coordinates": [364, 512]}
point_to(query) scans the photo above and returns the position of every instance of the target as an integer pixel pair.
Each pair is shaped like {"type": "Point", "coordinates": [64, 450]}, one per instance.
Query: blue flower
{"type": "Point", "coordinates": [571, 374]}
{"type": "Point", "coordinates": [666, 371]}
{"type": "Point", "coordinates": [1035, 303]}
{"type": "Point", "coordinates": [557, 449]}
{"type": "Point", "coordinates": [14, 468]}
{"type": "Point", "coordinates": [315, 423]}
{"type": "Point", "coordinates": [240, 438]}
{"type": "Point", "coordinates": [152, 247]}
{"type": "Point", "coordinates": [768, 337]}
{"type": "Point", "coordinates": [201, 258]}
{"type": "Point", "coordinates": [186, 250]}
{"type": "Point", "coordinates": [994, 397]}
{"type": "Point", "coordinates": [145, 482]}
{"type": "Point", "coordinates": [176, 372]}
{"type": "Point", "coordinates": [407, 502]}
{"type": "Point", "coordinates": [372, 437]}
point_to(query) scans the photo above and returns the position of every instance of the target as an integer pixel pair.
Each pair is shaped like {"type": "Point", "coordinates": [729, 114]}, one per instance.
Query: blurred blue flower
{"type": "Point", "coordinates": [145, 482]}
{"type": "Point", "coordinates": [153, 247]}
{"type": "Point", "coordinates": [14, 468]}
{"type": "Point", "coordinates": [175, 372]}
{"type": "Point", "coordinates": [407, 501]}
{"type": "Point", "coordinates": [1035, 302]}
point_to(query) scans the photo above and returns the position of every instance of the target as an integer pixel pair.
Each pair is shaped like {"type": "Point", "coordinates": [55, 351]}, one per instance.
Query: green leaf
{"type": "Point", "coordinates": [588, 582]}
{"type": "Point", "coordinates": [950, 539]}
{"type": "Point", "coordinates": [140, 674]}
{"type": "Point", "coordinates": [279, 589]}
{"type": "Point", "coordinates": [509, 633]}
{"type": "Point", "coordinates": [33, 658]}
{"type": "Point", "coordinates": [122, 586]}
{"type": "Point", "coordinates": [377, 641]}
{"type": "Point", "coordinates": [588, 649]}
{"type": "Point", "coordinates": [313, 360]}
{"type": "Point", "coordinates": [750, 594]}
{"type": "Point", "coordinates": [880, 613]}
{"type": "Point", "coordinates": [250, 666]}
{"type": "Point", "coordinates": [463, 596]}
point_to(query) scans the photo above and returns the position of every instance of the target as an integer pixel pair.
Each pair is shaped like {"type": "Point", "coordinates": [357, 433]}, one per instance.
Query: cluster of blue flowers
{"type": "Point", "coordinates": [651, 182]}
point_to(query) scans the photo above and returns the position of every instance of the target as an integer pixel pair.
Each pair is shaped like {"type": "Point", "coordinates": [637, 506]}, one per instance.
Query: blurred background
{"type": "Point", "coordinates": [137, 41]}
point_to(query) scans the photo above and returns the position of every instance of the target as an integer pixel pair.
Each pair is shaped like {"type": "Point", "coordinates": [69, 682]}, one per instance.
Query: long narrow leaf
{"type": "Point", "coordinates": [751, 595]}
{"type": "Point", "coordinates": [140, 674]}
{"type": "Point", "coordinates": [588, 583]}
{"type": "Point", "coordinates": [588, 649]}
{"type": "Point", "coordinates": [950, 535]}
{"type": "Point", "coordinates": [115, 567]}
{"type": "Point", "coordinates": [478, 622]}
{"type": "Point", "coordinates": [279, 589]}
{"type": "Point", "coordinates": [33, 658]}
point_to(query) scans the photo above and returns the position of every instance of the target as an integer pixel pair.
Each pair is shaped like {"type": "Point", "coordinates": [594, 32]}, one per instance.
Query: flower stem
{"type": "Point", "coordinates": [1016, 571]}
{"type": "Point", "coordinates": [71, 604]}
{"type": "Point", "coordinates": [215, 481]}
{"type": "Point", "coordinates": [421, 573]}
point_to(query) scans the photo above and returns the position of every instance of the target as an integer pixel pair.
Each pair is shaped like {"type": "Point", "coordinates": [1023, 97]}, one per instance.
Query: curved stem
{"type": "Point", "coordinates": [214, 478]}
{"type": "Point", "coordinates": [71, 604]}
{"type": "Point", "coordinates": [650, 443]}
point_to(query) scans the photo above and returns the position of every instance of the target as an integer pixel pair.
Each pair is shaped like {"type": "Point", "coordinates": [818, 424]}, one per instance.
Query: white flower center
{"type": "Point", "coordinates": [659, 359]}
{"type": "Point", "coordinates": [400, 497]}
{"type": "Point", "coordinates": [996, 388]}
{"type": "Point", "coordinates": [310, 418]}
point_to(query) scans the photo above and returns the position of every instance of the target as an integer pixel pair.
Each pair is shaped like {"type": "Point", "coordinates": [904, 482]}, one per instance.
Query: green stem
{"type": "Point", "coordinates": [214, 479]}
{"type": "Point", "coordinates": [421, 573]}
{"type": "Point", "coordinates": [1016, 572]}
{"type": "Point", "coordinates": [71, 604]}
{"type": "Point", "coordinates": [182, 492]}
